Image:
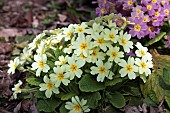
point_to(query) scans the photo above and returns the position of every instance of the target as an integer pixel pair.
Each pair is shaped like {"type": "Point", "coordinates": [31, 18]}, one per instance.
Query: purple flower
{"type": "Point", "coordinates": [157, 21]}
{"type": "Point", "coordinates": [158, 13]}
{"type": "Point", "coordinates": [150, 8]}
{"type": "Point", "coordinates": [138, 28]}
{"type": "Point", "coordinates": [168, 42]}
{"type": "Point", "coordinates": [137, 12]}
{"type": "Point", "coordinates": [166, 10]}
{"type": "Point", "coordinates": [128, 4]}
{"type": "Point", "coordinates": [119, 21]}
{"type": "Point", "coordinates": [155, 1]}
{"type": "Point", "coordinates": [131, 53]}
{"type": "Point", "coordinates": [163, 2]}
{"type": "Point", "coordinates": [146, 18]}
{"type": "Point", "coordinates": [152, 31]}
{"type": "Point", "coordinates": [103, 8]}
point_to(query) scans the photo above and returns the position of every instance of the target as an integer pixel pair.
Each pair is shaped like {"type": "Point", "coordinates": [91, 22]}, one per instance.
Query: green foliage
{"type": "Point", "coordinates": [63, 109]}
{"type": "Point", "coordinates": [91, 86]}
{"type": "Point", "coordinates": [33, 81]}
{"type": "Point", "coordinates": [113, 82]}
{"type": "Point", "coordinates": [166, 76]}
{"type": "Point", "coordinates": [156, 39]}
{"type": "Point", "coordinates": [24, 38]}
{"type": "Point", "coordinates": [167, 99]}
{"type": "Point", "coordinates": [48, 105]}
{"type": "Point", "coordinates": [116, 99]}
{"type": "Point", "coordinates": [92, 99]}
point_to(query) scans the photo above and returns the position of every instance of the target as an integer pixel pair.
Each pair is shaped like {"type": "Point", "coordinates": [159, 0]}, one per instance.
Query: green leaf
{"type": "Point", "coordinates": [134, 101]}
{"type": "Point", "coordinates": [67, 96]}
{"type": "Point", "coordinates": [167, 99]}
{"type": "Point", "coordinates": [63, 109]}
{"type": "Point", "coordinates": [92, 99]}
{"type": "Point", "coordinates": [24, 38]}
{"type": "Point", "coordinates": [153, 82]}
{"type": "Point", "coordinates": [149, 102]}
{"type": "Point", "coordinates": [48, 105]}
{"type": "Point", "coordinates": [89, 84]}
{"type": "Point", "coordinates": [117, 100]}
{"type": "Point", "coordinates": [156, 39]}
{"type": "Point", "coordinates": [163, 84]}
{"type": "Point", "coordinates": [110, 109]}
{"type": "Point", "coordinates": [113, 82]}
{"type": "Point", "coordinates": [166, 76]}
{"type": "Point", "coordinates": [40, 94]}
{"type": "Point", "coordinates": [152, 96]}
{"type": "Point", "coordinates": [33, 81]}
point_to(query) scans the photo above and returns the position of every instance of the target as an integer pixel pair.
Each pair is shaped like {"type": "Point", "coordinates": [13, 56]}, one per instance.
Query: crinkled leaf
{"type": "Point", "coordinates": [110, 109]}
{"type": "Point", "coordinates": [117, 100]}
{"type": "Point", "coordinates": [24, 38]}
{"type": "Point", "coordinates": [156, 39]}
{"type": "Point", "coordinates": [163, 84]}
{"type": "Point", "coordinates": [40, 94]}
{"type": "Point", "coordinates": [166, 76]}
{"type": "Point", "coordinates": [33, 81]}
{"type": "Point", "coordinates": [92, 99]}
{"type": "Point", "coordinates": [67, 96]}
{"type": "Point", "coordinates": [153, 81]}
{"type": "Point", "coordinates": [63, 109]}
{"type": "Point", "coordinates": [89, 84]}
{"type": "Point", "coordinates": [167, 99]}
{"type": "Point", "coordinates": [113, 82]}
{"type": "Point", "coordinates": [48, 105]}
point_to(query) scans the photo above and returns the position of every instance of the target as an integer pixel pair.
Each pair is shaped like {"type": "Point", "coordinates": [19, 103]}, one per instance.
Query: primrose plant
{"type": "Point", "coordinates": [79, 65]}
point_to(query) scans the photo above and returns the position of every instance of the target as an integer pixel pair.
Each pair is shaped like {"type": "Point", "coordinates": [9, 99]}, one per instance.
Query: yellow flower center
{"type": "Point", "coordinates": [41, 64]}
{"type": "Point", "coordinates": [73, 68]}
{"type": "Point", "coordinates": [157, 13]}
{"type": "Point", "coordinates": [94, 53]}
{"type": "Point", "coordinates": [144, 19]}
{"type": "Point", "coordinates": [154, 1]}
{"type": "Point", "coordinates": [60, 76]}
{"type": "Point", "coordinates": [138, 11]}
{"type": "Point", "coordinates": [143, 65]}
{"type": "Point", "coordinates": [68, 34]}
{"type": "Point", "coordinates": [17, 89]}
{"type": "Point", "coordinates": [114, 54]}
{"type": "Point", "coordinates": [80, 29]}
{"type": "Point", "coordinates": [129, 68]}
{"type": "Point", "coordinates": [130, 2]}
{"type": "Point", "coordinates": [100, 41]}
{"type": "Point", "coordinates": [154, 20]}
{"type": "Point", "coordinates": [102, 70]}
{"type": "Point", "coordinates": [112, 36]}
{"type": "Point", "coordinates": [83, 46]}
{"type": "Point", "coordinates": [137, 27]}
{"type": "Point", "coordinates": [103, 10]}
{"type": "Point", "coordinates": [77, 108]}
{"type": "Point", "coordinates": [63, 62]}
{"type": "Point", "coordinates": [49, 85]}
{"type": "Point", "coordinates": [82, 56]}
{"type": "Point", "coordinates": [124, 41]}
{"type": "Point", "coordinates": [14, 66]}
{"type": "Point", "coordinates": [151, 28]}
{"type": "Point", "coordinates": [142, 52]}
{"type": "Point", "coordinates": [166, 11]}
{"type": "Point", "coordinates": [162, 2]}
{"type": "Point", "coordinates": [149, 7]}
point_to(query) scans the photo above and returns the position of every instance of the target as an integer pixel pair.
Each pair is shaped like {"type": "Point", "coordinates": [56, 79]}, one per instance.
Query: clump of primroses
{"type": "Point", "coordinates": [61, 56]}
{"type": "Point", "coordinates": [147, 16]}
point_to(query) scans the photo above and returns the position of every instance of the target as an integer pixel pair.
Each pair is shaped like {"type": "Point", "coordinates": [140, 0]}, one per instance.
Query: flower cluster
{"type": "Point", "coordinates": [96, 47]}
{"type": "Point", "coordinates": [147, 16]}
